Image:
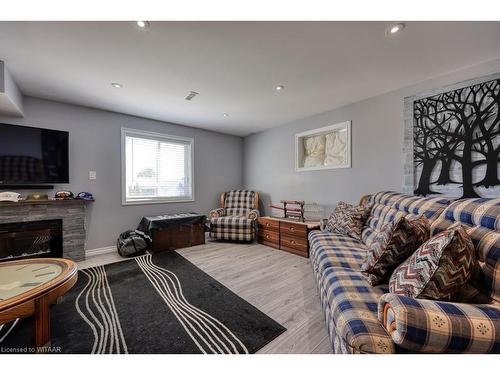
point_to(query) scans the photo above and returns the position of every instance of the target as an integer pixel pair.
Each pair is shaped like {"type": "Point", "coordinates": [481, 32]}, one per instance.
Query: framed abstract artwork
{"type": "Point", "coordinates": [324, 148]}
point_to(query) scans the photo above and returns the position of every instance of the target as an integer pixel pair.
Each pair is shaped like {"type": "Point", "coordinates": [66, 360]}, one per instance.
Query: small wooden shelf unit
{"type": "Point", "coordinates": [285, 234]}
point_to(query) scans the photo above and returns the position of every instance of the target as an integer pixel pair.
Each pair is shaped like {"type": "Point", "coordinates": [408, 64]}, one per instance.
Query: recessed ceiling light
{"type": "Point", "coordinates": [117, 85]}
{"type": "Point", "coordinates": [225, 114]}
{"type": "Point", "coordinates": [394, 29]}
{"type": "Point", "coordinates": [143, 24]}
{"type": "Point", "coordinates": [279, 88]}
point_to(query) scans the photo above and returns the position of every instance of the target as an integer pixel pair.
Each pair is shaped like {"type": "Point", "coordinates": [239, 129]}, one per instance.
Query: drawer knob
{"type": "Point", "coordinates": [292, 242]}
{"type": "Point", "coordinates": [267, 224]}
{"type": "Point", "coordinates": [292, 229]}
{"type": "Point", "coordinates": [267, 235]}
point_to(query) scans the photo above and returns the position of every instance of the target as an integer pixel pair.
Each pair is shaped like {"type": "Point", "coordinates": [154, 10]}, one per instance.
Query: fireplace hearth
{"type": "Point", "coordinates": [31, 239]}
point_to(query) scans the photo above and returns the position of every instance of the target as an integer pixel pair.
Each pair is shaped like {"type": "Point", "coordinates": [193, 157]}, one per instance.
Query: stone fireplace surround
{"type": "Point", "coordinates": [72, 213]}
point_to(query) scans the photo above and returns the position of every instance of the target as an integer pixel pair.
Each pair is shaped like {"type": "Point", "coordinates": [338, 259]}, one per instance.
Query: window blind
{"type": "Point", "coordinates": [157, 168]}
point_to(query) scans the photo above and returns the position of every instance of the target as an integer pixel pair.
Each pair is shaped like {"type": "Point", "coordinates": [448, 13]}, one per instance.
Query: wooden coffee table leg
{"type": "Point", "coordinates": [42, 322]}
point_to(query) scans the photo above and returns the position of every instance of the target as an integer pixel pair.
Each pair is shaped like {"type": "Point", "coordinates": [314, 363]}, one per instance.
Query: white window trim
{"type": "Point", "coordinates": [166, 137]}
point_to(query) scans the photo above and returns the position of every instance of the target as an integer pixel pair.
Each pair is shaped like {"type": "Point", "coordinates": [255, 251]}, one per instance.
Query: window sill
{"type": "Point", "coordinates": [157, 201]}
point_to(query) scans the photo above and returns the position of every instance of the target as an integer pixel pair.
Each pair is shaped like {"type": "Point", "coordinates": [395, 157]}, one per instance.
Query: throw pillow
{"type": "Point", "coordinates": [393, 244]}
{"type": "Point", "coordinates": [438, 269]}
{"type": "Point", "coordinates": [348, 219]}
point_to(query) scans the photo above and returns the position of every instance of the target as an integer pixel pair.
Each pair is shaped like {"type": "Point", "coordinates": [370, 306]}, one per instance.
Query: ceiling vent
{"type": "Point", "coordinates": [191, 95]}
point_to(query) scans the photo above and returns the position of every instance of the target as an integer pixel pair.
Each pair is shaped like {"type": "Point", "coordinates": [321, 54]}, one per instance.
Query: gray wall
{"type": "Point", "coordinates": [11, 99]}
{"type": "Point", "coordinates": [377, 149]}
{"type": "Point", "coordinates": [95, 145]}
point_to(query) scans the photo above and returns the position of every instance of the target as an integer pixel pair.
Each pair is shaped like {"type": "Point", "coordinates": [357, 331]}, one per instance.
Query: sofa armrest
{"type": "Point", "coordinates": [218, 212]}
{"type": "Point", "coordinates": [253, 214]}
{"type": "Point", "coordinates": [440, 327]}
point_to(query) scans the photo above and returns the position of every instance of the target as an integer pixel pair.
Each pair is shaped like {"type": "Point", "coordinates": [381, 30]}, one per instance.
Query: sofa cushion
{"type": "Point", "coordinates": [335, 250]}
{"type": "Point", "coordinates": [394, 244]}
{"type": "Point", "coordinates": [348, 219]}
{"type": "Point", "coordinates": [387, 206]}
{"type": "Point", "coordinates": [481, 216]}
{"type": "Point", "coordinates": [438, 269]}
{"type": "Point", "coordinates": [350, 306]}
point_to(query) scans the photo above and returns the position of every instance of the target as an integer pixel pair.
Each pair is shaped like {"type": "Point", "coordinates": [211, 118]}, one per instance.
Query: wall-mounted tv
{"type": "Point", "coordinates": [33, 156]}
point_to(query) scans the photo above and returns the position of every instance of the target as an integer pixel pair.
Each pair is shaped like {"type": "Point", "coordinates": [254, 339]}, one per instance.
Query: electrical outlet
{"type": "Point", "coordinates": [92, 175]}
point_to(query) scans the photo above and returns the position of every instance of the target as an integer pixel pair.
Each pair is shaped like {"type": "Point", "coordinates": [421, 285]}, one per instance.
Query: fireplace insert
{"type": "Point", "coordinates": [31, 240]}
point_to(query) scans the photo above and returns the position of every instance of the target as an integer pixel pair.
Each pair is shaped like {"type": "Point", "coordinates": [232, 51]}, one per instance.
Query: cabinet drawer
{"type": "Point", "coordinates": [293, 229]}
{"type": "Point", "coordinates": [268, 224]}
{"type": "Point", "coordinates": [269, 238]}
{"type": "Point", "coordinates": [299, 245]}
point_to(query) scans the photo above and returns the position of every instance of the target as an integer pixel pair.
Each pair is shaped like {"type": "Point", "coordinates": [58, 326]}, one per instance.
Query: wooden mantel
{"type": "Point", "coordinates": [46, 202]}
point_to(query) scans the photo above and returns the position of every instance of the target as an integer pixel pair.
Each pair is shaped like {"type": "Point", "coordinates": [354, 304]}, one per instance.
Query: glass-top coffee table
{"type": "Point", "coordinates": [29, 286]}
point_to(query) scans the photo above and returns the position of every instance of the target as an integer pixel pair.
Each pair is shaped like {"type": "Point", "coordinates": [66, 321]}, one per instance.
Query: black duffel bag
{"type": "Point", "coordinates": [132, 243]}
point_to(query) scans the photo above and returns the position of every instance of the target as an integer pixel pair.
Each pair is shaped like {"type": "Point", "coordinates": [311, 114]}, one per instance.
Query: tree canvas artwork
{"type": "Point", "coordinates": [456, 142]}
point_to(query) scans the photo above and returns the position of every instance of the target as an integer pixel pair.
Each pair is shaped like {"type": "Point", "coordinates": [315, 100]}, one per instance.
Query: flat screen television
{"type": "Point", "coordinates": [33, 156]}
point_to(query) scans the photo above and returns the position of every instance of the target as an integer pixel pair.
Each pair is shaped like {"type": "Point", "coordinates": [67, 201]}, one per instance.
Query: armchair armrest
{"type": "Point", "coordinates": [218, 212]}
{"type": "Point", "coordinates": [440, 327]}
{"type": "Point", "coordinates": [253, 214]}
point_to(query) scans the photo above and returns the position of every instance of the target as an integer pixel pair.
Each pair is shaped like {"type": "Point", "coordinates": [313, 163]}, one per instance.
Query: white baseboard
{"type": "Point", "coordinates": [100, 251]}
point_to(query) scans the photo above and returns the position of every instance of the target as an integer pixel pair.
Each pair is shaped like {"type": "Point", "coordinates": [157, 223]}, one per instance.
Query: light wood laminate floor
{"type": "Point", "coordinates": [278, 283]}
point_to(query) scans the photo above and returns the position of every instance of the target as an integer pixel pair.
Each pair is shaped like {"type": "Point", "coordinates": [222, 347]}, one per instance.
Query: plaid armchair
{"type": "Point", "coordinates": [235, 219]}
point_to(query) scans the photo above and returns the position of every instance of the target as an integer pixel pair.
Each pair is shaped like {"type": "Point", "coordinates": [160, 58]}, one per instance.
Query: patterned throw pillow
{"type": "Point", "coordinates": [438, 269]}
{"type": "Point", "coordinates": [394, 244]}
{"type": "Point", "coordinates": [348, 219]}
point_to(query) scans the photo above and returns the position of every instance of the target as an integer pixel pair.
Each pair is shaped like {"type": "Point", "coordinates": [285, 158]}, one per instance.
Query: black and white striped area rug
{"type": "Point", "coordinates": [150, 304]}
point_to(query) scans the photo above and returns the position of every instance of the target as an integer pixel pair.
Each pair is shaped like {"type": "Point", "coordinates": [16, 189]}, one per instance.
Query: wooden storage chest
{"type": "Point", "coordinates": [175, 231]}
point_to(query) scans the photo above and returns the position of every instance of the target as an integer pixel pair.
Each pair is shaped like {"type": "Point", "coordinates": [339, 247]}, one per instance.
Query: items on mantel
{"type": "Point", "coordinates": [9, 197]}
{"type": "Point", "coordinates": [51, 202]}
{"type": "Point", "coordinates": [297, 210]}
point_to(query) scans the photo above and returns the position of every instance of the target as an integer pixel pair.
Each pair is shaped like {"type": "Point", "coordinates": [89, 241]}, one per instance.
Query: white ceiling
{"type": "Point", "coordinates": [234, 65]}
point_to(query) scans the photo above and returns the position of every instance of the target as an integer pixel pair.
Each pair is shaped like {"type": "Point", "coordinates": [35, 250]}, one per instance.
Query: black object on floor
{"type": "Point", "coordinates": [158, 303]}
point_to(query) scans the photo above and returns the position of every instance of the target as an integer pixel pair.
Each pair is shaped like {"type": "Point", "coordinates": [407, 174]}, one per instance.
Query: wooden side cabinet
{"type": "Point", "coordinates": [285, 235]}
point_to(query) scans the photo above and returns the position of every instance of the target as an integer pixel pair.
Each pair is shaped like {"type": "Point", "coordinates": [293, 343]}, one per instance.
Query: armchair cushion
{"type": "Point", "coordinates": [236, 228]}
{"type": "Point", "coordinates": [217, 213]}
{"type": "Point", "coordinates": [239, 202]}
{"type": "Point", "coordinates": [438, 327]}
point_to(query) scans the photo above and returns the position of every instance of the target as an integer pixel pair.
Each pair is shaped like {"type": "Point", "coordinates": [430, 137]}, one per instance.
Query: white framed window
{"type": "Point", "coordinates": [156, 168]}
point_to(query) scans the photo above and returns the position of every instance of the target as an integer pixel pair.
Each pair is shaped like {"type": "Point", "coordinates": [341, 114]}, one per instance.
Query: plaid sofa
{"type": "Point", "coordinates": [235, 220]}
{"type": "Point", "coordinates": [349, 303]}
{"type": "Point", "coordinates": [455, 327]}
